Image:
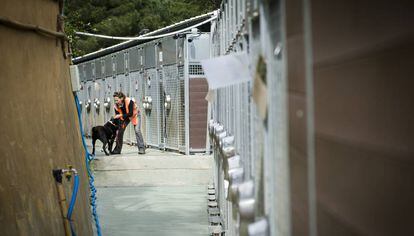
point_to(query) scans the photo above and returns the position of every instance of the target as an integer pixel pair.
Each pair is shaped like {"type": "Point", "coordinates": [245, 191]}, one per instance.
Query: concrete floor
{"type": "Point", "coordinates": [159, 193]}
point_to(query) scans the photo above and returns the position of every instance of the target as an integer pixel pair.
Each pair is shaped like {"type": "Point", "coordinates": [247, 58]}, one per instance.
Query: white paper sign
{"type": "Point", "coordinates": [226, 70]}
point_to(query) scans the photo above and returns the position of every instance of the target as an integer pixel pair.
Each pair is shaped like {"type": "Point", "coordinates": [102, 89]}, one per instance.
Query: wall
{"type": "Point", "coordinates": [334, 155]}
{"type": "Point", "coordinates": [362, 79]}
{"type": "Point", "coordinates": [39, 130]}
{"type": "Point", "coordinates": [198, 118]}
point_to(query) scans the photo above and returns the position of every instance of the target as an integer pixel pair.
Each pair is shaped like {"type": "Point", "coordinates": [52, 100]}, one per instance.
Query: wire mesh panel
{"type": "Point", "coordinates": [98, 102]}
{"type": "Point", "coordinates": [84, 108]}
{"type": "Point", "coordinates": [119, 83]}
{"type": "Point", "coordinates": [136, 95]}
{"type": "Point", "coordinates": [180, 51]}
{"type": "Point", "coordinates": [122, 85]}
{"type": "Point", "coordinates": [108, 99]}
{"type": "Point", "coordinates": [172, 89]}
{"type": "Point", "coordinates": [140, 91]}
{"type": "Point", "coordinates": [152, 116]}
{"type": "Point", "coordinates": [181, 110]}
{"type": "Point", "coordinates": [161, 110]}
{"type": "Point", "coordinates": [82, 98]}
{"type": "Point", "coordinates": [89, 110]}
{"type": "Point", "coordinates": [127, 85]}
{"type": "Point", "coordinates": [131, 78]}
{"type": "Point", "coordinates": [127, 90]}
{"type": "Point", "coordinates": [195, 69]}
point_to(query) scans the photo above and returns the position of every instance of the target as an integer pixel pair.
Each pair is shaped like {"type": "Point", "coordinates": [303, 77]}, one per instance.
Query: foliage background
{"type": "Point", "coordinates": [125, 18]}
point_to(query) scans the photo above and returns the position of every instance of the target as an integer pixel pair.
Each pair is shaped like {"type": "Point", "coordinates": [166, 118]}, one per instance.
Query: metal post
{"type": "Point", "coordinates": [186, 98]}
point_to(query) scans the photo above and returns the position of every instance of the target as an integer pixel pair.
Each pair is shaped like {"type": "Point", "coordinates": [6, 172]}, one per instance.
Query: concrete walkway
{"type": "Point", "coordinates": [159, 193]}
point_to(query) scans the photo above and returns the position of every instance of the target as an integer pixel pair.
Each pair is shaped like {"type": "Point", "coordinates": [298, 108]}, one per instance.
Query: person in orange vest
{"type": "Point", "coordinates": [127, 111]}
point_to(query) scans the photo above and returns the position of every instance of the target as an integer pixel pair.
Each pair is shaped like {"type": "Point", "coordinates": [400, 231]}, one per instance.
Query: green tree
{"type": "Point", "coordinates": [125, 18]}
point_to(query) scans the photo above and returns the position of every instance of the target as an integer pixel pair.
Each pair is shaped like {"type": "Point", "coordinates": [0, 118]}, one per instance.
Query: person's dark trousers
{"type": "Point", "coordinates": [119, 140]}
{"type": "Point", "coordinates": [138, 135]}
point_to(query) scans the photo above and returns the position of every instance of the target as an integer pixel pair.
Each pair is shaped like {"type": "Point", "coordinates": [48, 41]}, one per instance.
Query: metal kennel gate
{"type": "Point", "coordinates": [259, 159]}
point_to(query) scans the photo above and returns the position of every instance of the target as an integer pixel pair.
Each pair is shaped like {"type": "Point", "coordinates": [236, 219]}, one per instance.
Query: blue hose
{"type": "Point", "coordinates": [88, 158]}
{"type": "Point", "coordinates": [72, 203]}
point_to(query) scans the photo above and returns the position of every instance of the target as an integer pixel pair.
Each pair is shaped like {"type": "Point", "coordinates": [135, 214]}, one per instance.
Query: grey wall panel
{"type": "Point", "coordinates": [81, 69]}
{"type": "Point", "coordinates": [126, 59]}
{"type": "Point", "coordinates": [159, 57]}
{"type": "Point", "coordinates": [149, 56]}
{"type": "Point", "coordinates": [134, 59]}
{"type": "Point", "coordinates": [141, 58]}
{"type": "Point", "coordinates": [88, 71]}
{"type": "Point", "coordinates": [169, 47]}
{"type": "Point", "coordinates": [120, 63]}
{"type": "Point", "coordinates": [113, 65]}
{"type": "Point", "coordinates": [93, 68]}
{"type": "Point", "coordinates": [98, 68]}
{"type": "Point", "coordinates": [108, 66]}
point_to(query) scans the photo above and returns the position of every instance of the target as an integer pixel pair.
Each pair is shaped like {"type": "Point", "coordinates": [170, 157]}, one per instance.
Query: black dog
{"type": "Point", "coordinates": [106, 134]}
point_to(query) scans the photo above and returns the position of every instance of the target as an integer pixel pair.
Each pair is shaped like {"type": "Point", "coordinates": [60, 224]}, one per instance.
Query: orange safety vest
{"type": "Point", "coordinates": [134, 118]}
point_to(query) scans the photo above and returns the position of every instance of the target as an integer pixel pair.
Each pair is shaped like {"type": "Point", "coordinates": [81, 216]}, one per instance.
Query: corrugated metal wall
{"type": "Point", "coordinates": [40, 128]}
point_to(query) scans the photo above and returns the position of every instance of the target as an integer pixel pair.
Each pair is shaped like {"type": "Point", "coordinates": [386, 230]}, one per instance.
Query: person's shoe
{"type": "Point", "coordinates": [116, 152]}
{"type": "Point", "coordinates": [141, 151]}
